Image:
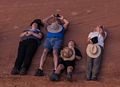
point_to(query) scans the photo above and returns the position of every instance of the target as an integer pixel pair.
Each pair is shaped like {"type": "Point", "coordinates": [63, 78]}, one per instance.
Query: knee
{"type": "Point", "coordinates": [55, 52]}
{"type": "Point", "coordinates": [60, 66]}
{"type": "Point", "coordinates": [45, 51]}
{"type": "Point", "coordinates": [70, 67]}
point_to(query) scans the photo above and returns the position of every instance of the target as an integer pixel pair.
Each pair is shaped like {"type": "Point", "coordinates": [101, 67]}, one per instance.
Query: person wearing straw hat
{"type": "Point", "coordinates": [67, 60]}
{"type": "Point", "coordinates": [53, 41]}
{"type": "Point", "coordinates": [94, 51]}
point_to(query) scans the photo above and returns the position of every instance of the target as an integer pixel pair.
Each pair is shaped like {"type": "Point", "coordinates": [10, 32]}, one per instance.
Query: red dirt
{"type": "Point", "coordinates": [84, 15]}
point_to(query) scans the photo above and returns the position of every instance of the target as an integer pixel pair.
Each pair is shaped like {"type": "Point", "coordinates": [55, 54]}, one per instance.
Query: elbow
{"type": "Point", "coordinates": [67, 22]}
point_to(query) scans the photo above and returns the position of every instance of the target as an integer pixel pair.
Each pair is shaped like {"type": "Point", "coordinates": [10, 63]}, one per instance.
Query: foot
{"type": "Point", "coordinates": [88, 79]}
{"type": "Point", "coordinates": [94, 78]}
{"type": "Point", "coordinates": [53, 71]}
{"type": "Point", "coordinates": [54, 77]}
{"type": "Point", "coordinates": [39, 72]}
{"type": "Point", "coordinates": [15, 71]}
{"type": "Point", "coordinates": [23, 71]}
{"type": "Point", "coordinates": [69, 76]}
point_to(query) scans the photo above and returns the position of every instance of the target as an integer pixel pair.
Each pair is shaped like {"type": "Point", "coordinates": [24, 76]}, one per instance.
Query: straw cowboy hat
{"type": "Point", "coordinates": [54, 28]}
{"type": "Point", "coordinates": [68, 54]}
{"type": "Point", "coordinates": [93, 50]}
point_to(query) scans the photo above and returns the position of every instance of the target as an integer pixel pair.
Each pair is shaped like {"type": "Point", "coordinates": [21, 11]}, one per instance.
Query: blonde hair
{"type": "Point", "coordinates": [101, 30]}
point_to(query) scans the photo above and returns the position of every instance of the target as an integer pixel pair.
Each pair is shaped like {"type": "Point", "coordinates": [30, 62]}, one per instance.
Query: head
{"type": "Point", "coordinates": [54, 28]}
{"type": "Point", "coordinates": [57, 18]}
{"type": "Point", "coordinates": [37, 23]}
{"type": "Point", "coordinates": [71, 43]}
{"type": "Point", "coordinates": [99, 29]}
{"type": "Point", "coordinates": [34, 26]}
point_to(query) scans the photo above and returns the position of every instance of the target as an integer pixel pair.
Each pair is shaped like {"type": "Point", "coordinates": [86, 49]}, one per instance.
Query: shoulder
{"type": "Point", "coordinates": [64, 29]}
{"type": "Point", "coordinates": [90, 34]}
{"type": "Point", "coordinates": [105, 34]}
{"type": "Point", "coordinates": [77, 52]}
{"type": "Point", "coordinates": [93, 34]}
{"type": "Point", "coordinates": [26, 30]}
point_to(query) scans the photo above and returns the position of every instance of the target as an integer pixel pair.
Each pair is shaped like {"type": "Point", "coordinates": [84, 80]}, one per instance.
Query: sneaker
{"type": "Point", "coordinates": [54, 77]}
{"type": "Point", "coordinates": [69, 76]}
{"type": "Point", "coordinates": [15, 71]}
{"type": "Point", "coordinates": [88, 79]}
{"type": "Point", "coordinates": [23, 71]}
{"type": "Point", "coordinates": [39, 72]}
{"type": "Point", "coordinates": [94, 78]}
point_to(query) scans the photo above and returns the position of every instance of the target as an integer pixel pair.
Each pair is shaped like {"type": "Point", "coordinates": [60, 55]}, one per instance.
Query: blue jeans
{"type": "Point", "coordinates": [53, 43]}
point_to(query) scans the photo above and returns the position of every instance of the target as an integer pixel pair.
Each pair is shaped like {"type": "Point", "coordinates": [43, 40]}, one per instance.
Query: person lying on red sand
{"type": "Point", "coordinates": [67, 61]}
{"type": "Point", "coordinates": [30, 40]}
{"type": "Point", "coordinates": [53, 41]}
{"type": "Point", "coordinates": [94, 51]}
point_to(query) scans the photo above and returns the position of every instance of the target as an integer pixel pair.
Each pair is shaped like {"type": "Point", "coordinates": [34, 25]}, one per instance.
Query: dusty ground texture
{"type": "Point", "coordinates": [84, 15]}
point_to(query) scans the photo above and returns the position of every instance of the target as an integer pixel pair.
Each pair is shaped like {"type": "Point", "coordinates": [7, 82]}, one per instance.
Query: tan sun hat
{"type": "Point", "coordinates": [54, 28]}
{"type": "Point", "coordinates": [93, 50]}
{"type": "Point", "coordinates": [68, 54]}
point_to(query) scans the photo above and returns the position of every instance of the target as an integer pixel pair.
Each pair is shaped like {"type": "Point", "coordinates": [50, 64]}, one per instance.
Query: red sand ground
{"type": "Point", "coordinates": [84, 15]}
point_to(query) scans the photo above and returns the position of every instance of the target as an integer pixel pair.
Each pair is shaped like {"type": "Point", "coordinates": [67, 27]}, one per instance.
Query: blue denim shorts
{"type": "Point", "coordinates": [53, 43]}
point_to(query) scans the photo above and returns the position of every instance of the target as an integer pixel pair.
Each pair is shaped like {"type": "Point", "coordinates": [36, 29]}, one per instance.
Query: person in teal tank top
{"type": "Point", "coordinates": [53, 41]}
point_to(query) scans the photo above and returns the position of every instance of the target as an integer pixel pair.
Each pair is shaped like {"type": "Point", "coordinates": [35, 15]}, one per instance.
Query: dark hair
{"type": "Point", "coordinates": [94, 40]}
{"type": "Point", "coordinates": [101, 26]}
{"type": "Point", "coordinates": [57, 15]}
{"type": "Point", "coordinates": [73, 41]}
{"type": "Point", "coordinates": [39, 22]}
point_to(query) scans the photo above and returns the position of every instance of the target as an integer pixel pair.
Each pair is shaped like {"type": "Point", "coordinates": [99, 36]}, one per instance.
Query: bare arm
{"type": "Point", "coordinates": [23, 34]}
{"type": "Point", "coordinates": [37, 35]}
{"type": "Point", "coordinates": [66, 22]}
{"type": "Point", "coordinates": [78, 57]}
{"type": "Point", "coordinates": [45, 21]}
{"type": "Point", "coordinates": [89, 40]}
{"type": "Point", "coordinates": [105, 35]}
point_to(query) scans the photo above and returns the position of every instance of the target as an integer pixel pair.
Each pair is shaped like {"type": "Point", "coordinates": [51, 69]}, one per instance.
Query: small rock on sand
{"type": "Point", "coordinates": [74, 13]}
{"type": "Point", "coordinates": [88, 11]}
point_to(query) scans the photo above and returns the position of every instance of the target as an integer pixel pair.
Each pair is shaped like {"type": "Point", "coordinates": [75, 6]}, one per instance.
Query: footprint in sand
{"type": "Point", "coordinates": [58, 10]}
{"type": "Point", "coordinates": [8, 19]}
{"type": "Point", "coordinates": [88, 11]}
{"type": "Point", "coordinates": [15, 27]}
{"type": "Point", "coordinates": [74, 13]}
{"type": "Point", "coordinates": [4, 38]}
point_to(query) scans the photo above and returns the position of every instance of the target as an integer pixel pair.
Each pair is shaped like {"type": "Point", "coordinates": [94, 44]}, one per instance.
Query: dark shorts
{"type": "Point", "coordinates": [53, 43]}
{"type": "Point", "coordinates": [66, 63]}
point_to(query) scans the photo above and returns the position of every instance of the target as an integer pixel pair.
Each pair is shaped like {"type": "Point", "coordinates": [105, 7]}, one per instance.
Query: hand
{"type": "Point", "coordinates": [57, 16]}
{"type": "Point", "coordinates": [78, 57]}
{"type": "Point", "coordinates": [29, 33]}
{"type": "Point", "coordinates": [61, 18]}
{"type": "Point", "coordinates": [52, 15]}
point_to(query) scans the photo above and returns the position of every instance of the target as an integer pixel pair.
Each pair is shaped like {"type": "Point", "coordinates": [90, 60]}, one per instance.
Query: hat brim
{"type": "Point", "coordinates": [55, 31]}
{"type": "Point", "coordinates": [93, 55]}
{"type": "Point", "coordinates": [70, 58]}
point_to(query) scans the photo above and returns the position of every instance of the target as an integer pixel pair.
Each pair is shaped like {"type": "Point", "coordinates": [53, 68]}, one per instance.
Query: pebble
{"type": "Point", "coordinates": [74, 13]}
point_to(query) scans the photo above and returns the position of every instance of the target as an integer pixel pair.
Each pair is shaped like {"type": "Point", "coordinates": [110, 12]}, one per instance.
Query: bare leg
{"type": "Point", "coordinates": [69, 69]}
{"type": "Point", "coordinates": [55, 76]}
{"type": "Point", "coordinates": [43, 58]}
{"type": "Point", "coordinates": [69, 73]}
{"type": "Point", "coordinates": [55, 58]}
{"type": "Point", "coordinates": [59, 68]}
